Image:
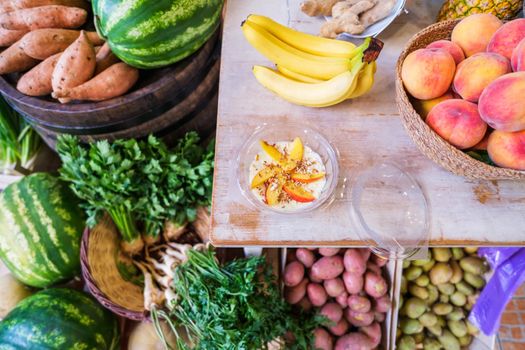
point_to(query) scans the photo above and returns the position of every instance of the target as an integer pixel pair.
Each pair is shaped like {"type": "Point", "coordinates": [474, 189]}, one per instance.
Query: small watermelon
{"type": "Point", "coordinates": [59, 319]}
{"type": "Point", "coordinates": [153, 33]}
{"type": "Point", "coordinates": [41, 226]}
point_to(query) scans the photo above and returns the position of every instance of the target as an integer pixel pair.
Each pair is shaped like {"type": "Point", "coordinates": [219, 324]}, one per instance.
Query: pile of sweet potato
{"type": "Point", "coordinates": [59, 60]}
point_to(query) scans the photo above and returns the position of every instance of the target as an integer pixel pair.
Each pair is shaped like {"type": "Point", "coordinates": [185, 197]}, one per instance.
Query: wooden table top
{"type": "Point", "coordinates": [366, 131]}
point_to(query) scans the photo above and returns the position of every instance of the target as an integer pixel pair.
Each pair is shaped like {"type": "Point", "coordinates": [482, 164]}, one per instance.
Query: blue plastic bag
{"type": "Point", "coordinates": [496, 256]}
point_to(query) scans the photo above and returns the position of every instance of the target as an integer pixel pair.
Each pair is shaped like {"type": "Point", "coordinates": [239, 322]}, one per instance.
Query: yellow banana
{"type": "Point", "coordinates": [324, 94]}
{"type": "Point", "coordinates": [289, 57]}
{"type": "Point", "coordinates": [305, 42]}
{"type": "Point", "coordinates": [296, 76]}
{"type": "Point", "coordinates": [366, 80]}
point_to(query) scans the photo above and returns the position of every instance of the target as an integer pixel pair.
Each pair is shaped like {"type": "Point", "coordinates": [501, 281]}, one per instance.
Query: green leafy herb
{"type": "Point", "coordinates": [482, 156]}
{"type": "Point", "coordinates": [234, 306]}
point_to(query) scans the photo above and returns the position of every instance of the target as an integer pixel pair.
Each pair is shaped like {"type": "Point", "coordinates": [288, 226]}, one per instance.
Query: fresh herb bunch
{"type": "Point", "coordinates": [138, 181]}
{"type": "Point", "coordinates": [18, 141]}
{"type": "Point", "coordinates": [236, 306]}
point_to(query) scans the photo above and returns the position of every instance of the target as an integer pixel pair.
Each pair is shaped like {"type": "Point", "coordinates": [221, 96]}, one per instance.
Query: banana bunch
{"type": "Point", "coordinates": [311, 71]}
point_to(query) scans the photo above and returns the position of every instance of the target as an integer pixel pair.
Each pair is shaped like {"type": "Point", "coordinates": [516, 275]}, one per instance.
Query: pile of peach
{"type": "Point", "coordinates": [347, 287]}
{"type": "Point", "coordinates": [471, 89]}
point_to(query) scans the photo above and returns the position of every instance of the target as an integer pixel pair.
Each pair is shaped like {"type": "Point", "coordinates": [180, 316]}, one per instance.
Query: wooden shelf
{"type": "Point", "coordinates": [365, 131]}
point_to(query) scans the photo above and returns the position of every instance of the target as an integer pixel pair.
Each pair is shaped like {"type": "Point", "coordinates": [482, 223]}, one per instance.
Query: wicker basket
{"type": "Point", "coordinates": [431, 144]}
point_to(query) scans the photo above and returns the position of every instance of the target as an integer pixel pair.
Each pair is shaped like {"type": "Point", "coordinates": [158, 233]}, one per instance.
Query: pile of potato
{"type": "Point", "coordinates": [347, 287]}
{"type": "Point", "coordinates": [59, 60]}
{"type": "Point", "coordinates": [436, 297]}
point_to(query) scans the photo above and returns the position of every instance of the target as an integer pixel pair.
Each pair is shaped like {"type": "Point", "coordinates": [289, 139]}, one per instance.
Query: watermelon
{"type": "Point", "coordinates": [153, 33]}
{"type": "Point", "coordinates": [60, 319]}
{"type": "Point", "coordinates": [41, 226]}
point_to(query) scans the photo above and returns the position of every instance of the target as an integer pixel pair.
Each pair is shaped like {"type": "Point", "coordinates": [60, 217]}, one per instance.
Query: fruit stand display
{"type": "Point", "coordinates": [371, 150]}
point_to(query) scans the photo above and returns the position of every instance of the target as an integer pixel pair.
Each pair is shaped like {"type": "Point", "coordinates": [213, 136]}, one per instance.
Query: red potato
{"type": "Point", "coordinates": [354, 262]}
{"type": "Point", "coordinates": [323, 340]}
{"type": "Point", "coordinates": [328, 267]}
{"type": "Point", "coordinates": [379, 317]}
{"type": "Point", "coordinates": [328, 251]}
{"type": "Point", "coordinates": [305, 304]}
{"type": "Point", "coordinates": [379, 261]}
{"type": "Point", "coordinates": [52, 16]}
{"type": "Point", "coordinates": [342, 299]}
{"type": "Point", "coordinates": [311, 249]}
{"type": "Point", "coordinates": [9, 37]}
{"type": "Point", "coordinates": [13, 59]}
{"type": "Point", "coordinates": [290, 253]}
{"type": "Point", "coordinates": [314, 278]}
{"type": "Point", "coordinates": [359, 303]}
{"type": "Point", "coordinates": [365, 252]}
{"type": "Point", "coordinates": [332, 311]}
{"type": "Point", "coordinates": [305, 256]}
{"type": "Point", "coordinates": [373, 332]}
{"type": "Point", "coordinates": [13, 5]}
{"type": "Point", "coordinates": [353, 282]}
{"type": "Point", "coordinates": [354, 341]}
{"type": "Point", "coordinates": [334, 287]}
{"type": "Point", "coordinates": [105, 58]}
{"type": "Point", "coordinates": [37, 81]}
{"type": "Point", "coordinates": [316, 294]}
{"type": "Point", "coordinates": [370, 266]}
{"type": "Point", "coordinates": [375, 285]}
{"type": "Point", "coordinates": [340, 328]}
{"type": "Point", "coordinates": [382, 304]}
{"type": "Point", "coordinates": [293, 274]}
{"type": "Point", "coordinates": [293, 295]}
{"type": "Point", "coordinates": [359, 319]}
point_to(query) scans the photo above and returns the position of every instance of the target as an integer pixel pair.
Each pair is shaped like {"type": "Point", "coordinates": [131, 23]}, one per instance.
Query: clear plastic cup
{"type": "Point", "coordinates": [287, 132]}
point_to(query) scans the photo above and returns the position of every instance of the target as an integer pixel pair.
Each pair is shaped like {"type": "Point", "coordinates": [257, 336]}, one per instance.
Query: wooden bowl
{"type": "Point", "coordinates": [157, 92]}
{"type": "Point", "coordinates": [430, 143]}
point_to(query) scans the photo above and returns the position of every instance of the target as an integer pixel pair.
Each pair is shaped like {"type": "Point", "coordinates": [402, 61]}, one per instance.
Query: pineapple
{"type": "Point", "coordinates": [504, 9]}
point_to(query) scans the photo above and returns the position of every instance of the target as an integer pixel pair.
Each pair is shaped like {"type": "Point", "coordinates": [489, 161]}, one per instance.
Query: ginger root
{"type": "Point", "coordinates": [318, 7]}
{"type": "Point", "coordinates": [377, 13]}
{"type": "Point", "coordinates": [345, 18]}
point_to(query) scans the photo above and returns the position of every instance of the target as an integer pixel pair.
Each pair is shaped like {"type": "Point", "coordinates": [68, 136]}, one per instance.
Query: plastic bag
{"type": "Point", "coordinates": [508, 276]}
{"type": "Point", "coordinates": [496, 256]}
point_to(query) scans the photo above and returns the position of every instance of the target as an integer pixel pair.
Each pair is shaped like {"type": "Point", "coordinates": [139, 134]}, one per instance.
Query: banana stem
{"type": "Point", "coordinates": [373, 50]}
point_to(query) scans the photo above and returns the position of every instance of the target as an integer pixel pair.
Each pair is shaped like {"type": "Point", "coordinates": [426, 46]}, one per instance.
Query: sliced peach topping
{"type": "Point", "coordinates": [273, 192]}
{"type": "Point", "coordinates": [298, 193]}
{"type": "Point", "coordinates": [263, 175]}
{"type": "Point", "coordinates": [273, 152]}
{"type": "Point", "coordinates": [307, 178]}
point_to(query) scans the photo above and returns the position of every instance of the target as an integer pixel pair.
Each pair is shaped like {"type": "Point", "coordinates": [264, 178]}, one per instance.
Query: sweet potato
{"type": "Point", "coordinates": [328, 251]}
{"type": "Point", "coordinates": [328, 267]}
{"type": "Point", "coordinates": [75, 66]}
{"type": "Point", "coordinates": [354, 341]}
{"type": "Point", "coordinates": [354, 262]}
{"type": "Point", "coordinates": [114, 81]}
{"type": "Point", "coordinates": [9, 37]}
{"type": "Point", "coordinates": [332, 311]}
{"type": "Point", "coordinates": [373, 332]}
{"type": "Point", "coordinates": [375, 285]}
{"type": "Point", "coordinates": [305, 256]}
{"type": "Point", "coordinates": [322, 340]}
{"type": "Point", "coordinates": [13, 59]}
{"type": "Point", "coordinates": [353, 282]}
{"type": "Point", "coordinates": [37, 82]}
{"type": "Point", "coordinates": [340, 328]}
{"type": "Point", "coordinates": [334, 287]}
{"type": "Point", "coordinates": [293, 274]}
{"type": "Point", "coordinates": [105, 58]}
{"type": "Point", "coordinates": [359, 319]}
{"type": "Point", "coordinates": [316, 294]}
{"type": "Point", "coordinates": [12, 5]}
{"type": "Point", "coordinates": [52, 16]}
{"type": "Point", "coordinates": [293, 295]}
{"type": "Point", "coordinates": [42, 43]}
{"type": "Point", "coordinates": [359, 303]}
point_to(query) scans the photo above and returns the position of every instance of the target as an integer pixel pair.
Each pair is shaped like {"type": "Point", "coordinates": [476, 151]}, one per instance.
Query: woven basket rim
{"type": "Point", "coordinates": [429, 142]}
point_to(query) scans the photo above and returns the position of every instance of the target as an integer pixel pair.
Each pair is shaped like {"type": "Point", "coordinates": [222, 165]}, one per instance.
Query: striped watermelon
{"type": "Point", "coordinates": [59, 319]}
{"type": "Point", "coordinates": [153, 33]}
{"type": "Point", "coordinates": [41, 225]}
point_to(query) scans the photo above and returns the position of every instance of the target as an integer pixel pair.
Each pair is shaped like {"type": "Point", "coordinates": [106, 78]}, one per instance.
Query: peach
{"type": "Point", "coordinates": [450, 47]}
{"type": "Point", "coordinates": [483, 144]}
{"type": "Point", "coordinates": [423, 107]}
{"type": "Point", "coordinates": [428, 73]}
{"type": "Point", "coordinates": [475, 73]}
{"type": "Point", "coordinates": [474, 32]}
{"type": "Point", "coordinates": [507, 149]}
{"type": "Point", "coordinates": [458, 122]}
{"type": "Point", "coordinates": [518, 57]}
{"type": "Point", "coordinates": [502, 103]}
{"type": "Point", "coordinates": [507, 37]}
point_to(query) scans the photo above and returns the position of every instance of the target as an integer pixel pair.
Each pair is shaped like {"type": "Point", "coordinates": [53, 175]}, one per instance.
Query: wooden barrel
{"type": "Point", "coordinates": [163, 99]}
